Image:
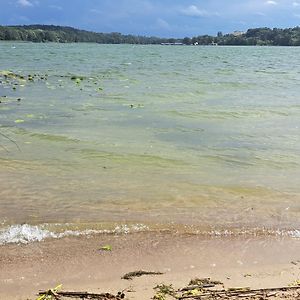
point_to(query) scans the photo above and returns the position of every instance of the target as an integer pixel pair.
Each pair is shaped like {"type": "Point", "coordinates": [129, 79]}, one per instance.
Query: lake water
{"type": "Point", "coordinates": [104, 137]}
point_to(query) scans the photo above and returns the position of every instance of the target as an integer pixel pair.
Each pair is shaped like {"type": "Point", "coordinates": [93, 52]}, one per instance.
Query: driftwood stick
{"type": "Point", "coordinates": [51, 293]}
{"type": "Point", "coordinates": [85, 295]}
{"type": "Point", "coordinates": [130, 275]}
{"type": "Point", "coordinates": [201, 286]}
{"type": "Point", "coordinates": [54, 294]}
{"type": "Point", "coordinates": [240, 293]}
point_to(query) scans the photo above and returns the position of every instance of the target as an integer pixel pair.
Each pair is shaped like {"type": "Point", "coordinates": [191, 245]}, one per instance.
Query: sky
{"type": "Point", "coordinates": [164, 18]}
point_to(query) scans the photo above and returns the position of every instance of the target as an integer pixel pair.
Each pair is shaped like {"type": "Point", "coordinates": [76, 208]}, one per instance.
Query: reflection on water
{"type": "Point", "coordinates": [115, 133]}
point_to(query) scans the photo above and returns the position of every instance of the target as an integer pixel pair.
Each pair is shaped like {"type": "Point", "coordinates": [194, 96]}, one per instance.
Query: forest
{"type": "Point", "coordinates": [61, 34]}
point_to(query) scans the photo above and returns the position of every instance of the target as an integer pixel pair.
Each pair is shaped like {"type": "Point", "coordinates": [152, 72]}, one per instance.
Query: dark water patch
{"type": "Point", "coordinates": [42, 136]}
{"type": "Point", "coordinates": [90, 108]}
{"type": "Point", "coordinates": [53, 138]}
{"type": "Point", "coordinates": [225, 72]}
{"type": "Point", "coordinates": [131, 158]}
{"type": "Point", "coordinates": [215, 113]}
{"type": "Point", "coordinates": [232, 160]}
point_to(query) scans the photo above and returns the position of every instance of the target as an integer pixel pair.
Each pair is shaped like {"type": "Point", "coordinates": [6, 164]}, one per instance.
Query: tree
{"type": "Point", "coordinates": [187, 41]}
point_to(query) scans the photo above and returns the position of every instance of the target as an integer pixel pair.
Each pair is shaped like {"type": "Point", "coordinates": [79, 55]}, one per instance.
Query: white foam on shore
{"type": "Point", "coordinates": [294, 233]}
{"type": "Point", "coordinates": [24, 234]}
{"type": "Point", "coordinates": [253, 232]}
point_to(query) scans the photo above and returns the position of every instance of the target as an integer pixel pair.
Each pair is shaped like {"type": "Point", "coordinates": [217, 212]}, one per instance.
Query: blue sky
{"type": "Point", "coordinates": [167, 18]}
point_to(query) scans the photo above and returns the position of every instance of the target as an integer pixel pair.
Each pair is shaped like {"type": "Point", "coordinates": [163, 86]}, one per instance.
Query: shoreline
{"type": "Point", "coordinates": [80, 265]}
{"type": "Point", "coordinates": [29, 233]}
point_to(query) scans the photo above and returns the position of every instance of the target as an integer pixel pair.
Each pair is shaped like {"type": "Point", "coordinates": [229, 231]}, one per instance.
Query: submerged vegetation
{"type": "Point", "coordinates": [62, 34]}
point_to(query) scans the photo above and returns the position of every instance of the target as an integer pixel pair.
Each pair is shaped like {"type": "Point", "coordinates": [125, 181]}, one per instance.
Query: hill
{"type": "Point", "coordinates": [50, 33]}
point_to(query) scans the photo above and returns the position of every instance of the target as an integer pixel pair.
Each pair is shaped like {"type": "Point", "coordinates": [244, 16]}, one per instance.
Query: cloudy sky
{"type": "Point", "coordinates": [168, 18]}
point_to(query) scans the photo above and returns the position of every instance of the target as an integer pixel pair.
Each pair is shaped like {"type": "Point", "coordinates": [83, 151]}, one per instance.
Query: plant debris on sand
{"type": "Point", "coordinates": [131, 275]}
{"type": "Point", "coordinates": [244, 293]}
{"type": "Point", "coordinates": [201, 289]}
{"type": "Point", "coordinates": [209, 289]}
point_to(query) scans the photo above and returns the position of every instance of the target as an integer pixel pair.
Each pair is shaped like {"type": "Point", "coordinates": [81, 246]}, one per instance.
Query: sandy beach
{"type": "Point", "coordinates": [80, 265]}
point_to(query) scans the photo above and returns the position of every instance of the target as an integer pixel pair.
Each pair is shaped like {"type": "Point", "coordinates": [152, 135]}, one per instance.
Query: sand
{"type": "Point", "coordinates": [78, 264]}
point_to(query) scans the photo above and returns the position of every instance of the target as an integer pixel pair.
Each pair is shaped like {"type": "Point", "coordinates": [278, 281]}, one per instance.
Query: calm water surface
{"type": "Point", "coordinates": [201, 136]}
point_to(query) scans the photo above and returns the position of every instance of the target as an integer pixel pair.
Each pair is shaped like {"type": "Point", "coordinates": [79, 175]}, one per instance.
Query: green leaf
{"type": "Point", "coordinates": [57, 288]}
{"type": "Point", "coordinates": [106, 248]}
{"type": "Point", "coordinates": [19, 121]}
{"type": "Point", "coordinates": [48, 296]}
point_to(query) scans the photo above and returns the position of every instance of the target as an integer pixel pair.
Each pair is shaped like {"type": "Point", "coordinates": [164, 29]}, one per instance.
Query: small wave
{"type": "Point", "coordinates": [294, 233]}
{"type": "Point", "coordinates": [24, 234]}
{"type": "Point", "coordinates": [252, 232]}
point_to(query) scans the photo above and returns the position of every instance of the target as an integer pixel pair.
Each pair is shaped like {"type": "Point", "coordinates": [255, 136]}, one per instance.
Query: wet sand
{"type": "Point", "coordinates": [80, 265]}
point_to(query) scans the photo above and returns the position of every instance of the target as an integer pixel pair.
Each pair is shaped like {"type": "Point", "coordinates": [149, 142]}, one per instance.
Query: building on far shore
{"type": "Point", "coordinates": [172, 44]}
{"type": "Point", "coordinates": [238, 33]}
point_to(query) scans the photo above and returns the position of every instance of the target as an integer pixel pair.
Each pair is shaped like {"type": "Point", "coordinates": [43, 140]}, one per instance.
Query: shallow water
{"type": "Point", "coordinates": [201, 136]}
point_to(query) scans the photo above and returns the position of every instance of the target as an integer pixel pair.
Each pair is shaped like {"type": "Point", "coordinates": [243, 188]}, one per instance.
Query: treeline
{"type": "Point", "coordinates": [252, 37]}
{"type": "Point", "coordinates": [60, 34]}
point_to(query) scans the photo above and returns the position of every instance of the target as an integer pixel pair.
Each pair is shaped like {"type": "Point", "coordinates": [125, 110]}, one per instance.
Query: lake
{"type": "Point", "coordinates": [126, 138]}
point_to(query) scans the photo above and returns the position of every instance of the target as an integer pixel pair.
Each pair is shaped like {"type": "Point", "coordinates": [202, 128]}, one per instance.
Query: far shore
{"type": "Point", "coordinates": [79, 264]}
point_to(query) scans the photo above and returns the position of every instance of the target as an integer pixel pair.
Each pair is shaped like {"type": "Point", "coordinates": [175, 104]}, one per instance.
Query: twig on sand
{"type": "Point", "coordinates": [199, 283]}
{"type": "Point", "coordinates": [130, 275]}
{"type": "Point", "coordinates": [85, 295]}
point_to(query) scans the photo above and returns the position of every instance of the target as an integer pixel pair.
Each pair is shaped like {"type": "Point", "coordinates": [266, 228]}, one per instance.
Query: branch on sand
{"type": "Point", "coordinates": [131, 275]}
{"type": "Point", "coordinates": [81, 295]}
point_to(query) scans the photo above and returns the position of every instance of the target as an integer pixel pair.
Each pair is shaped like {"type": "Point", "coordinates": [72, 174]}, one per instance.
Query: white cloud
{"type": "Point", "coordinates": [295, 4]}
{"type": "Point", "coordinates": [259, 13]}
{"type": "Point", "coordinates": [194, 11]}
{"type": "Point", "coordinates": [163, 24]}
{"type": "Point", "coordinates": [271, 2]}
{"type": "Point", "coordinates": [55, 7]}
{"type": "Point", "coordinates": [24, 3]}
{"type": "Point", "coordinates": [95, 11]}
{"type": "Point", "coordinates": [23, 19]}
